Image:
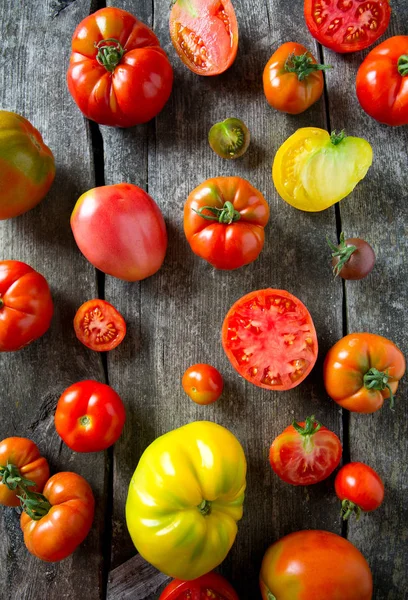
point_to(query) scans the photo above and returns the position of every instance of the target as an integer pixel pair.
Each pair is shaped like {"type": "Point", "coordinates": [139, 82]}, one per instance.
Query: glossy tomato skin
{"type": "Point", "coordinates": [360, 484]}
{"type": "Point", "coordinates": [382, 89]}
{"type": "Point", "coordinates": [90, 416]}
{"type": "Point", "coordinates": [137, 88]}
{"type": "Point", "coordinates": [99, 326]}
{"type": "Point", "coordinates": [272, 319]}
{"type": "Point", "coordinates": [56, 535]}
{"type": "Point", "coordinates": [26, 306]}
{"type": "Point", "coordinates": [304, 459]}
{"type": "Point", "coordinates": [204, 34]}
{"type": "Point", "coordinates": [210, 586]}
{"type": "Point", "coordinates": [350, 359]}
{"type": "Point", "coordinates": [283, 89]}
{"type": "Point", "coordinates": [23, 454]}
{"type": "Point", "coordinates": [361, 262]}
{"type": "Point", "coordinates": [347, 25]}
{"type": "Point", "coordinates": [315, 565]}
{"type": "Point", "coordinates": [203, 383]}
{"type": "Point", "coordinates": [226, 246]}
{"type": "Point", "coordinates": [120, 230]}
{"type": "Point", "coordinates": [27, 166]}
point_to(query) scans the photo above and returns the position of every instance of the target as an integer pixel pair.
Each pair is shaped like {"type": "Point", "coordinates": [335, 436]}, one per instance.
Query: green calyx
{"type": "Point", "coordinates": [336, 138]}
{"type": "Point", "coordinates": [34, 504]}
{"type": "Point", "coordinates": [378, 380]}
{"type": "Point", "coordinates": [204, 507]}
{"type": "Point", "coordinates": [225, 215]}
{"type": "Point", "coordinates": [303, 65]}
{"type": "Point", "coordinates": [186, 5]}
{"type": "Point", "coordinates": [109, 54]}
{"type": "Point", "coordinates": [1, 302]}
{"type": "Point", "coordinates": [310, 427]}
{"type": "Point", "coordinates": [342, 252]}
{"type": "Point", "coordinates": [271, 596]}
{"type": "Point", "coordinates": [85, 421]}
{"type": "Point", "coordinates": [348, 508]}
{"type": "Point", "coordinates": [402, 65]}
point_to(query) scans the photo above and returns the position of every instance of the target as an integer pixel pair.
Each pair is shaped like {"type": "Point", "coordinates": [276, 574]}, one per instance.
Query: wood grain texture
{"type": "Point", "coordinates": [33, 59]}
{"type": "Point", "coordinates": [377, 211]}
{"type": "Point", "coordinates": [175, 317]}
{"type": "Point", "coordinates": [135, 579]}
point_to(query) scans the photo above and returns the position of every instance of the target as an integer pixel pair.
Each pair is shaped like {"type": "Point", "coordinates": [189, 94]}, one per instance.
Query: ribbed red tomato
{"type": "Point", "coordinates": [270, 339]}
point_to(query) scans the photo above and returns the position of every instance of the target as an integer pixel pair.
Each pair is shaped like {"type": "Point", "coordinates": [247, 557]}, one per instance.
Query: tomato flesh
{"type": "Point", "coordinates": [270, 339]}
{"type": "Point", "coordinates": [211, 586]}
{"type": "Point", "coordinates": [99, 326]}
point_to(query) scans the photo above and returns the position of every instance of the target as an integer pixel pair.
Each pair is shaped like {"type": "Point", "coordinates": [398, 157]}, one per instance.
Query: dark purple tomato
{"type": "Point", "coordinates": [352, 258]}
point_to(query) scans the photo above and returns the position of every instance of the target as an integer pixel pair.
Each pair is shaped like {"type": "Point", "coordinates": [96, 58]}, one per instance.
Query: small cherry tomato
{"type": "Point", "coordinates": [359, 488]}
{"type": "Point", "coordinates": [90, 416]}
{"type": "Point", "coordinates": [59, 520]}
{"type": "Point", "coordinates": [292, 79]}
{"type": "Point", "coordinates": [353, 258]}
{"type": "Point", "coordinates": [229, 138]}
{"type": "Point", "coordinates": [99, 326]}
{"type": "Point", "coordinates": [20, 458]}
{"type": "Point", "coordinates": [305, 453]}
{"type": "Point", "coordinates": [203, 383]}
{"type": "Point", "coordinates": [208, 587]}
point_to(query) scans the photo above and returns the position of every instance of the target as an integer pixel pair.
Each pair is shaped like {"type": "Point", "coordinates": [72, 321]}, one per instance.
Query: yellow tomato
{"type": "Point", "coordinates": [185, 499]}
{"type": "Point", "coordinates": [313, 170]}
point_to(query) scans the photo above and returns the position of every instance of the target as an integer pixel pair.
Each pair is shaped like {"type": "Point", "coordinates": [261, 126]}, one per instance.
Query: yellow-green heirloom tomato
{"type": "Point", "coordinates": [185, 498]}
{"type": "Point", "coordinates": [230, 138]}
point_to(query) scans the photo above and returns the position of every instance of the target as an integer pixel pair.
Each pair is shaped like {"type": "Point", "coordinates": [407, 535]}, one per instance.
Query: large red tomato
{"type": "Point", "coordinates": [20, 458]}
{"type": "Point", "coordinates": [207, 587]}
{"type": "Point", "coordinates": [26, 306]}
{"type": "Point", "coordinates": [68, 504]}
{"type": "Point", "coordinates": [204, 34]}
{"type": "Point", "coordinates": [27, 167]}
{"type": "Point", "coordinates": [270, 339]}
{"type": "Point", "coordinates": [224, 220]}
{"type": "Point", "coordinates": [118, 74]}
{"type": "Point", "coordinates": [315, 565]}
{"type": "Point", "coordinates": [120, 230]}
{"type": "Point", "coordinates": [347, 25]}
{"type": "Point", "coordinates": [382, 82]}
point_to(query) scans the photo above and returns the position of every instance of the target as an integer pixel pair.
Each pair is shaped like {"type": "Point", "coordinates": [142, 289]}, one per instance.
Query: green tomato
{"type": "Point", "coordinates": [229, 138]}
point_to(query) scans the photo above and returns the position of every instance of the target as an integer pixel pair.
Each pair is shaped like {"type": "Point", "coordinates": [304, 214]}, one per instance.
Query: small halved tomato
{"type": "Point", "coordinates": [204, 34]}
{"type": "Point", "coordinates": [211, 586]}
{"type": "Point", "coordinates": [270, 339]}
{"type": "Point", "coordinates": [99, 326]}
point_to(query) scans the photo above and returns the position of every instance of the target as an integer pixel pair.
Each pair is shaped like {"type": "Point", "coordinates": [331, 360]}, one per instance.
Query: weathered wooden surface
{"type": "Point", "coordinates": [135, 579]}
{"type": "Point", "coordinates": [174, 318]}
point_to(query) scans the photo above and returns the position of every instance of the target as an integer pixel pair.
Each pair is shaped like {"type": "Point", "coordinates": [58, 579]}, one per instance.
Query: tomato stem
{"type": "Point", "coordinates": [378, 380]}
{"type": "Point", "coordinates": [109, 55]}
{"type": "Point", "coordinates": [336, 138]}
{"type": "Point", "coordinates": [310, 427]}
{"type": "Point", "coordinates": [348, 508]}
{"type": "Point", "coordinates": [342, 251]}
{"type": "Point", "coordinates": [303, 65]}
{"type": "Point", "coordinates": [1, 302]}
{"type": "Point", "coordinates": [204, 507]}
{"type": "Point", "coordinates": [403, 65]}
{"type": "Point", "coordinates": [34, 504]}
{"type": "Point", "coordinates": [226, 215]}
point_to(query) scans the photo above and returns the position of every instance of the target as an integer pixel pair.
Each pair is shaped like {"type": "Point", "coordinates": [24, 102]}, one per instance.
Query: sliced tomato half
{"type": "Point", "coordinates": [347, 25]}
{"type": "Point", "coordinates": [270, 339]}
{"type": "Point", "coordinates": [204, 34]}
{"type": "Point", "coordinates": [99, 326]}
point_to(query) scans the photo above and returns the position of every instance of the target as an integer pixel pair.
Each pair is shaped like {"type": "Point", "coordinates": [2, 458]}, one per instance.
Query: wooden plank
{"type": "Point", "coordinates": [377, 212]}
{"type": "Point", "coordinates": [33, 55]}
{"type": "Point", "coordinates": [175, 317]}
{"type": "Point", "coordinates": [136, 579]}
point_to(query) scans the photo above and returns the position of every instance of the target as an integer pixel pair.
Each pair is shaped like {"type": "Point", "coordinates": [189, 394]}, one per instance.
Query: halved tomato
{"type": "Point", "coordinates": [204, 34]}
{"type": "Point", "coordinates": [347, 25]}
{"type": "Point", "coordinates": [270, 339]}
{"type": "Point", "coordinates": [99, 326]}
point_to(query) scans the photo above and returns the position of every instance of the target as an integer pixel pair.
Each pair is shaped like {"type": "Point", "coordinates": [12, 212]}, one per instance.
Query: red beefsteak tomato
{"type": "Point", "coordinates": [26, 306]}
{"type": "Point", "coordinates": [27, 166]}
{"type": "Point", "coordinates": [211, 586]}
{"type": "Point", "coordinates": [224, 220]}
{"type": "Point", "coordinates": [204, 34]}
{"type": "Point", "coordinates": [382, 82]}
{"type": "Point", "coordinates": [118, 74]}
{"type": "Point", "coordinates": [68, 507]}
{"type": "Point", "coordinates": [120, 230]}
{"type": "Point", "coordinates": [270, 339]}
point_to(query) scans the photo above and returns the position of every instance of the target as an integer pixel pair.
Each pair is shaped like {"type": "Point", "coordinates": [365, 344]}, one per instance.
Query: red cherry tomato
{"type": "Point", "coordinates": [270, 339]}
{"type": "Point", "coordinates": [382, 82]}
{"type": "Point", "coordinates": [347, 25]}
{"type": "Point", "coordinates": [208, 587]}
{"type": "Point", "coordinates": [204, 34]}
{"type": "Point", "coordinates": [203, 383]}
{"type": "Point", "coordinates": [359, 487]}
{"type": "Point", "coordinates": [90, 416]}
{"type": "Point", "coordinates": [99, 326]}
{"type": "Point", "coordinates": [26, 306]}
{"type": "Point", "coordinates": [118, 74]}
{"type": "Point", "coordinates": [305, 453]}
